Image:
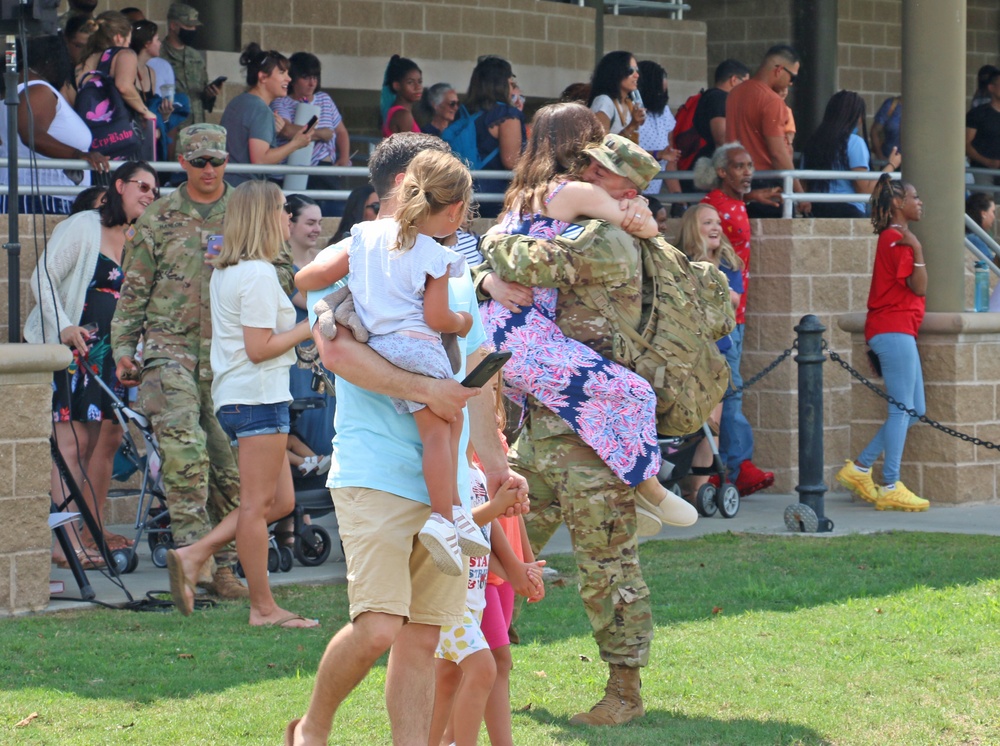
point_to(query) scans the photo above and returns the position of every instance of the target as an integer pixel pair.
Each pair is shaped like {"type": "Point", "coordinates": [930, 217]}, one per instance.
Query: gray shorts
{"type": "Point", "coordinates": [423, 356]}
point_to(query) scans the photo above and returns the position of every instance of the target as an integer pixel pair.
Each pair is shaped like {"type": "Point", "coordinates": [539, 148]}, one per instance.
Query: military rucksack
{"type": "Point", "coordinates": [686, 308]}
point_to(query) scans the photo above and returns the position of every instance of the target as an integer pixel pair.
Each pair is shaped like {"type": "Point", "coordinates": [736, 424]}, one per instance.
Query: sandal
{"type": "Point", "coordinates": [179, 583]}
{"type": "Point", "coordinates": [87, 562]}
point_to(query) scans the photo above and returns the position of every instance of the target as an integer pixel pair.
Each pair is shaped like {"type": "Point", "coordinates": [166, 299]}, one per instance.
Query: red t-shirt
{"type": "Point", "coordinates": [892, 306]}
{"type": "Point", "coordinates": [736, 226]}
{"type": "Point", "coordinates": [754, 112]}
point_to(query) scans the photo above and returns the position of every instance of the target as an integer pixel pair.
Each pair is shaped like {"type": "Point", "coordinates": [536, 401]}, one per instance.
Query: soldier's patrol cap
{"type": "Point", "coordinates": [623, 157]}
{"type": "Point", "coordinates": [200, 140]}
{"type": "Point", "coordinates": [184, 14]}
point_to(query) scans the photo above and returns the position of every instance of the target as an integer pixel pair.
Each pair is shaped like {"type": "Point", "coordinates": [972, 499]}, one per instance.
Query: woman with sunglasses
{"type": "Point", "coordinates": [615, 80]}
{"type": "Point", "coordinates": [248, 119]}
{"type": "Point", "coordinates": [362, 205]}
{"type": "Point", "coordinates": [440, 103]}
{"type": "Point", "coordinates": [76, 287]}
{"type": "Point", "coordinates": [253, 333]}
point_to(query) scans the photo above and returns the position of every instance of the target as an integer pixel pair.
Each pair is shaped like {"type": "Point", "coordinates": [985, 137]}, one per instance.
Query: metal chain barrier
{"type": "Point", "coordinates": [774, 364]}
{"type": "Point", "coordinates": [912, 412]}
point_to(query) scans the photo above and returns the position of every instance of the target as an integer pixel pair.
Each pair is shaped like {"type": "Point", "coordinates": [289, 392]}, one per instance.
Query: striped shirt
{"type": "Point", "coordinates": [329, 118]}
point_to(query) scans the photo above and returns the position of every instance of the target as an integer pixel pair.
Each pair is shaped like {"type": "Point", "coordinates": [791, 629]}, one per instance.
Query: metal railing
{"type": "Point", "coordinates": [972, 227]}
{"type": "Point", "coordinates": [674, 7]}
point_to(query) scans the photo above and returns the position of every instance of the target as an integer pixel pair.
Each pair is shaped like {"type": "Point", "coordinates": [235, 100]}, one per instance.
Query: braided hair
{"type": "Point", "coordinates": [884, 195]}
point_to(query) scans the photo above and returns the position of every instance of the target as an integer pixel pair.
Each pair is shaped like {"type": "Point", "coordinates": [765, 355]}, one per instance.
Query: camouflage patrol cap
{"type": "Point", "coordinates": [623, 157]}
{"type": "Point", "coordinates": [184, 14]}
{"type": "Point", "coordinates": [202, 140]}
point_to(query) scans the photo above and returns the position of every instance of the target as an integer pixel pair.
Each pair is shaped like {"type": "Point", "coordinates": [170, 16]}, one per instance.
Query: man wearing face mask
{"type": "Point", "coordinates": [188, 63]}
{"type": "Point", "coordinates": [78, 8]}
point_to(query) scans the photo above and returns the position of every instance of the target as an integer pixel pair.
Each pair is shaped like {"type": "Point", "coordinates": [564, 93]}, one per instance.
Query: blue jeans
{"type": "Point", "coordinates": [904, 382]}
{"type": "Point", "coordinates": [735, 433]}
{"type": "Point", "coordinates": [248, 420]}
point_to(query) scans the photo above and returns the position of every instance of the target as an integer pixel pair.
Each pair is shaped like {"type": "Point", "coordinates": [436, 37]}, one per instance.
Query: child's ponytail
{"type": "Point", "coordinates": [434, 181]}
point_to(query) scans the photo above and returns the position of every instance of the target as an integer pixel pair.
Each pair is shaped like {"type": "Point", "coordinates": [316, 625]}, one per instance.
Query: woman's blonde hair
{"type": "Point", "coordinates": [252, 228]}
{"type": "Point", "coordinates": [433, 182]}
{"type": "Point", "coordinates": [694, 246]}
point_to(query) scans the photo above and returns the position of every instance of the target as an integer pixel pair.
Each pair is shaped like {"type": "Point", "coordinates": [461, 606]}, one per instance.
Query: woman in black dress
{"type": "Point", "coordinates": [76, 286]}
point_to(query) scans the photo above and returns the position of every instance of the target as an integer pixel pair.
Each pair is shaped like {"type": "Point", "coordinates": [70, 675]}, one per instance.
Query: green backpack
{"type": "Point", "coordinates": [685, 310]}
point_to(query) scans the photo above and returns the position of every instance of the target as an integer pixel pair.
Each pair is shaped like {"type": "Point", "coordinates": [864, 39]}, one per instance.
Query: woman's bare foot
{"type": "Point", "coordinates": [278, 617]}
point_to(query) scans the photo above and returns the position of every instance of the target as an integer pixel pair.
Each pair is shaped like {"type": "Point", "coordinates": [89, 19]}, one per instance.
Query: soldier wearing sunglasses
{"type": "Point", "coordinates": [165, 299]}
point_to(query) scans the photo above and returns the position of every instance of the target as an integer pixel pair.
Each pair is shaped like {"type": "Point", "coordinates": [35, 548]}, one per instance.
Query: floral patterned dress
{"type": "Point", "coordinates": [612, 409]}
{"type": "Point", "coordinates": [76, 396]}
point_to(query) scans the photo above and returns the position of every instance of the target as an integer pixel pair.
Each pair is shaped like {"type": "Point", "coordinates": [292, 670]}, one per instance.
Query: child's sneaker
{"type": "Point", "coordinates": [900, 498]}
{"type": "Point", "coordinates": [752, 479]}
{"type": "Point", "coordinates": [858, 482]}
{"type": "Point", "coordinates": [441, 540]}
{"type": "Point", "coordinates": [470, 537]}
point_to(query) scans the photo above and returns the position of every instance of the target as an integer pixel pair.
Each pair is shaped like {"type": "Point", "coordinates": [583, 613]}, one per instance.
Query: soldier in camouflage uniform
{"type": "Point", "coordinates": [567, 481]}
{"type": "Point", "coordinates": [165, 299]}
{"type": "Point", "coordinates": [188, 63]}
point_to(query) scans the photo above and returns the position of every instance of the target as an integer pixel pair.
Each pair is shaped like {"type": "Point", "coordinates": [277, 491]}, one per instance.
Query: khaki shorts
{"type": "Point", "coordinates": [388, 569]}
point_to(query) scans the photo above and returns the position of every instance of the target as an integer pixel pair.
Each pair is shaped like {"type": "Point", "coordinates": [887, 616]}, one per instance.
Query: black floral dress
{"type": "Point", "coordinates": [76, 396]}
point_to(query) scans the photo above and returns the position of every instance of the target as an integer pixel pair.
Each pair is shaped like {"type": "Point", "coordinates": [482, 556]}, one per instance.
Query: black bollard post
{"type": "Point", "coordinates": [811, 487]}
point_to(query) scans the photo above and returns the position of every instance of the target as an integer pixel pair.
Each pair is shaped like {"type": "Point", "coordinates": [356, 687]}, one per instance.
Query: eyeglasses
{"type": "Point", "coordinates": [451, 104]}
{"type": "Point", "coordinates": [792, 77]}
{"type": "Point", "coordinates": [287, 207]}
{"type": "Point", "coordinates": [205, 160]}
{"type": "Point", "coordinates": [374, 207]}
{"type": "Point", "coordinates": [144, 187]}
{"type": "Point", "coordinates": [631, 70]}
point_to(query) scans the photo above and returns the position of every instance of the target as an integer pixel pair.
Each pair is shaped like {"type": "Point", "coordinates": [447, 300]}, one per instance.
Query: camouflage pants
{"type": "Point", "coordinates": [568, 482]}
{"type": "Point", "coordinates": [200, 476]}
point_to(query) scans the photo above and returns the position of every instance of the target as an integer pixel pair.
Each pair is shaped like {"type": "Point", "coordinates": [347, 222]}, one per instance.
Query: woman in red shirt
{"type": "Point", "coordinates": [895, 310]}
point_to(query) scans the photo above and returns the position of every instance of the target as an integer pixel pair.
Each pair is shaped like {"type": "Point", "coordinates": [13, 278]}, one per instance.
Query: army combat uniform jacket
{"type": "Point", "coordinates": [192, 77]}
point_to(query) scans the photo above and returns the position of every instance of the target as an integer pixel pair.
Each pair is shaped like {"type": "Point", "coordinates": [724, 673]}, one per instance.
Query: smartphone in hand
{"type": "Point", "coordinates": [486, 369]}
{"type": "Point", "coordinates": [310, 124]}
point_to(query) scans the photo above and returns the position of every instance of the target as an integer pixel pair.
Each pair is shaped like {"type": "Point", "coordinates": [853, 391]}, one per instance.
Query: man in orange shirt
{"type": "Point", "coordinates": [757, 117]}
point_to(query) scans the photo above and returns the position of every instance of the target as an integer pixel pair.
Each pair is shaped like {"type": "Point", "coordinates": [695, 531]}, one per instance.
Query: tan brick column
{"type": "Point", "coordinates": [25, 464]}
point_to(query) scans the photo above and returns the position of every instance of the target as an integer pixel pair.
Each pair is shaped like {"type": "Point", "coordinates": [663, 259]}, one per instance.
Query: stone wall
{"type": "Point", "coordinates": [25, 389]}
{"type": "Point", "coordinates": [742, 29]}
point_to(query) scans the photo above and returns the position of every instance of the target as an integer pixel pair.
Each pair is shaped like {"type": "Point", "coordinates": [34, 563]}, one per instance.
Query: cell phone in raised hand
{"type": "Point", "coordinates": [486, 369]}
{"type": "Point", "coordinates": [311, 123]}
{"type": "Point", "coordinates": [218, 81]}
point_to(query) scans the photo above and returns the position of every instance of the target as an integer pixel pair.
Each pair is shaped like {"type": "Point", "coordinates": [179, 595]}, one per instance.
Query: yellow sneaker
{"type": "Point", "coordinates": [900, 498]}
{"type": "Point", "coordinates": [858, 482]}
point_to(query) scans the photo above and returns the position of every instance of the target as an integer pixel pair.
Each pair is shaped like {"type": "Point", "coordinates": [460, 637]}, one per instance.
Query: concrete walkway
{"type": "Point", "coordinates": [759, 514]}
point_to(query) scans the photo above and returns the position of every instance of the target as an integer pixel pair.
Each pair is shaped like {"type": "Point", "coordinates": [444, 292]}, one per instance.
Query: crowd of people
{"type": "Point", "coordinates": [199, 301]}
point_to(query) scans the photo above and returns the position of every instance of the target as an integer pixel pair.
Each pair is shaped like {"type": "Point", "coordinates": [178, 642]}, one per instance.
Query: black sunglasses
{"type": "Point", "coordinates": [375, 206]}
{"type": "Point", "coordinates": [451, 104]}
{"type": "Point", "coordinates": [792, 77]}
{"type": "Point", "coordinates": [205, 160]}
{"type": "Point", "coordinates": [144, 187]}
{"type": "Point", "coordinates": [287, 207]}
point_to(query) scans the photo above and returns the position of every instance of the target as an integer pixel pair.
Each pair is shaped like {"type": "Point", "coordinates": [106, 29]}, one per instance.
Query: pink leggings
{"type": "Point", "coordinates": [497, 615]}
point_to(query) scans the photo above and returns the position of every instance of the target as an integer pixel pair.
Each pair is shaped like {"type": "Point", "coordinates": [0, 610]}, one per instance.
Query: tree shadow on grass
{"type": "Point", "coordinates": [662, 727]}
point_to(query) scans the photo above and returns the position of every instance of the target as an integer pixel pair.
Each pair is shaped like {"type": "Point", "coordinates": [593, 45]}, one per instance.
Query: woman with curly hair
{"type": "Point", "coordinates": [615, 79]}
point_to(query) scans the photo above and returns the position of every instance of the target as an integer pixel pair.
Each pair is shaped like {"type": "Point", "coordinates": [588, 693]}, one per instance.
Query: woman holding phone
{"type": "Point", "coordinates": [253, 333]}
{"type": "Point", "coordinates": [248, 119]}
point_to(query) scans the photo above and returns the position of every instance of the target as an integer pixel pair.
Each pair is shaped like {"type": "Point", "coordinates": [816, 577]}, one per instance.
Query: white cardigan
{"type": "Point", "coordinates": [60, 281]}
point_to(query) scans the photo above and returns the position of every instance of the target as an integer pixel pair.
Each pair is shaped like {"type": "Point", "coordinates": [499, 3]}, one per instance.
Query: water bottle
{"type": "Point", "coordinates": [982, 287]}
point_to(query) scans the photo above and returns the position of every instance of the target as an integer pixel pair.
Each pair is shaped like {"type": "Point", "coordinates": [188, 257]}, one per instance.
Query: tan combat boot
{"type": "Point", "coordinates": [622, 700]}
{"type": "Point", "coordinates": [226, 585]}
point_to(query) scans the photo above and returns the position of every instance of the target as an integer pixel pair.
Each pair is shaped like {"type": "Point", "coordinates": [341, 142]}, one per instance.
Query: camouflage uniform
{"type": "Point", "coordinates": [567, 480]}
{"type": "Point", "coordinates": [188, 64]}
{"type": "Point", "coordinates": [165, 299]}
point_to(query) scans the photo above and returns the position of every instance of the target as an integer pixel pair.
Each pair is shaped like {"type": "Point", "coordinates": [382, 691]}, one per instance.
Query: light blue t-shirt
{"type": "Point", "coordinates": [377, 448]}
{"type": "Point", "coordinates": [857, 157]}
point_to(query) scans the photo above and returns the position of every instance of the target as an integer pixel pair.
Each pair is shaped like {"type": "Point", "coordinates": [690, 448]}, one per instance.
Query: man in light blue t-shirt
{"type": "Point", "coordinates": [398, 597]}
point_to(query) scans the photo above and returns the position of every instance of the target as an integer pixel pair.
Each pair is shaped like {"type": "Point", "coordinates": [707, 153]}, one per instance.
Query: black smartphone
{"type": "Point", "coordinates": [311, 123]}
{"type": "Point", "coordinates": [219, 81]}
{"type": "Point", "coordinates": [486, 369]}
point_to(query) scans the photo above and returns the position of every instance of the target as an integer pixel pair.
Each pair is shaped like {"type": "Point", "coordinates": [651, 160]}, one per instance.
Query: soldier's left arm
{"type": "Point", "coordinates": [139, 270]}
{"type": "Point", "coordinates": [283, 266]}
{"type": "Point", "coordinates": [600, 254]}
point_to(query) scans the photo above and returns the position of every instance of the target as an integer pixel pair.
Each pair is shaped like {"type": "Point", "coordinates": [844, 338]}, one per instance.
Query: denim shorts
{"type": "Point", "coordinates": [247, 420]}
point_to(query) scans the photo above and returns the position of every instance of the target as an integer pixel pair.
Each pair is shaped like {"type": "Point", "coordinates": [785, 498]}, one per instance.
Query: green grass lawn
{"type": "Point", "coordinates": [885, 639]}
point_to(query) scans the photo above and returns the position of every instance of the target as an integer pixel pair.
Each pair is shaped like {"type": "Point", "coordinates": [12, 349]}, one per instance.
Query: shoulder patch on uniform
{"type": "Point", "coordinates": [130, 233]}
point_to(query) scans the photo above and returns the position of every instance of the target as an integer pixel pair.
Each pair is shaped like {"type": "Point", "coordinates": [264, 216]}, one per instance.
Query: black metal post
{"type": "Point", "coordinates": [13, 245]}
{"type": "Point", "coordinates": [810, 358]}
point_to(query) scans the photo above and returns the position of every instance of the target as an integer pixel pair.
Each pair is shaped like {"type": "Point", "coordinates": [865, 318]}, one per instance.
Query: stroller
{"type": "Point", "coordinates": [151, 517]}
{"type": "Point", "coordinates": [678, 453]}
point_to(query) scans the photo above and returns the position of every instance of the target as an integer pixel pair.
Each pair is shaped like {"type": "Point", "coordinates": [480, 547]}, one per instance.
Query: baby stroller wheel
{"type": "Point", "coordinates": [728, 500]}
{"type": "Point", "coordinates": [273, 560]}
{"type": "Point", "coordinates": [312, 551]}
{"type": "Point", "coordinates": [285, 559]}
{"type": "Point", "coordinates": [160, 554]}
{"type": "Point", "coordinates": [125, 560]}
{"type": "Point", "coordinates": [159, 542]}
{"type": "Point", "coordinates": [704, 500]}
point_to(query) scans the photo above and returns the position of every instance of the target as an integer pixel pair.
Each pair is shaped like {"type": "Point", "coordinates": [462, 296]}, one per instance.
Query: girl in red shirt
{"type": "Point", "coordinates": [895, 310]}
